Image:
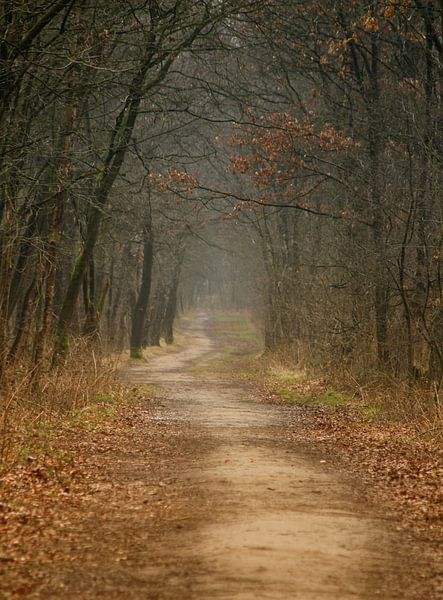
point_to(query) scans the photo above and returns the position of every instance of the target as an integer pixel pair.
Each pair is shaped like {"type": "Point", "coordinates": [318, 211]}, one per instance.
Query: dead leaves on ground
{"type": "Point", "coordinates": [397, 466]}
{"type": "Point", "coordinates": [56, 510]}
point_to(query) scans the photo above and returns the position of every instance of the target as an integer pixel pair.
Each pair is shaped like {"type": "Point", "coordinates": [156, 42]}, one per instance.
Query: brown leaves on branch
{"type": "Point", "coordinates": [280, 151]}
{"type": "Point", "coordinates": [176, 180]}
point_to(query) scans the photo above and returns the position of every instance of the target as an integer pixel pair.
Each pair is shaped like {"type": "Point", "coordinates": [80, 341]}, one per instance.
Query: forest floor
{"type": "Point", "coordinates": [207, 485]}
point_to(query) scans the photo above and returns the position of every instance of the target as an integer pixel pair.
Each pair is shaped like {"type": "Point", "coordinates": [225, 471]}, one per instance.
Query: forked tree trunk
{"type": "Point", "coordinates": [118, 146]}
{"type": "Point", "coordinates": [119, 143]}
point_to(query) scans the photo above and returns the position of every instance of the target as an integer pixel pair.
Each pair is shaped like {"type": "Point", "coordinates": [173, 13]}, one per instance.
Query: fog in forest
{"type": "Point", "coordinates": [221, 298]}
{"type": "Point", "coordinates": [277, 157]}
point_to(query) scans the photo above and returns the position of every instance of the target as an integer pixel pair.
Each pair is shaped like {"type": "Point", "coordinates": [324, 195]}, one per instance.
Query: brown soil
{"type": "Point", "coordinates": [203, 494]}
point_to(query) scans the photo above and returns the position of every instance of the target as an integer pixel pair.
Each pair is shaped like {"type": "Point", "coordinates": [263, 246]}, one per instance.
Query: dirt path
{"type": "Point", "coordinates": [277, 524]}
{"type": "Point", "coordinates": [201, 494]}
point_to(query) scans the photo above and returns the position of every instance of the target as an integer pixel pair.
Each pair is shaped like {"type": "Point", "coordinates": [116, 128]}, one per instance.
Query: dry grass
{"type": "Point", "coordinates": [394, 396]}
{"type": "Point", "coordinates": [34, 403]}
{"type": "Point", "coordinates": [291, 375]}
{"type": "Point", "coordinates": [397, 399]}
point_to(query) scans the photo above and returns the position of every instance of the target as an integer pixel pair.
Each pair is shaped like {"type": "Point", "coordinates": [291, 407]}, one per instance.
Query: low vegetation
{"type": "Point", "coordinates": [283, 380]}
{"type": "Point", "coordinates": [80, 393]}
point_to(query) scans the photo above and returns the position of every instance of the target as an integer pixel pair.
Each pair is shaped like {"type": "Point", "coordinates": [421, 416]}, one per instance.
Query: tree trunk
{"type": "Point", "coordinates": [90, 326]}
{"type": "Point", "coordinates": [436, 343]}
{"type": "Point", "coordinates": [156, 316]}
{"type": "Point", "coordinates": [23, 319]}
{"type": "Point", "coordinates": [141, 306]}
{"type": "Point", "coordinates": [170, 313]}
{"type": "Point", "coordinates": [375, 135]}
{"type": "Point", "coordinates": [62, 174]}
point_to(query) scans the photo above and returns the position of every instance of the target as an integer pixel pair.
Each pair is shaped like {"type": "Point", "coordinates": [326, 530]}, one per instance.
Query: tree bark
{"type": "Point", "coordinates": [171, 304]}
{"type": "Point", "coordinates": [375, 135]}
{"type": "Point", "coordinates": [156, 316]}
{"type": "Point", "coordinates": [141, 305]}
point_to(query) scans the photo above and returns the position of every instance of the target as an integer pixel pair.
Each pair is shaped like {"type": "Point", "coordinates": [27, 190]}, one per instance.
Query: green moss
{"type": "Point", "coordinates": [332, 398]}
{"type": "Point", "coordinates": [371, 413]}
{"type": "Point", "coordinates": [79, 267]}
{"type": "Point", "coordinates": [38, 443]}
{"type": "Point", "coordinates": [288, 388]}
{"type": "Point", "coordinates": [91, 417]}
{"type": "Point", "coordinates": [287, 394]}
{"type": "Point", "coordinates": [62, 340]}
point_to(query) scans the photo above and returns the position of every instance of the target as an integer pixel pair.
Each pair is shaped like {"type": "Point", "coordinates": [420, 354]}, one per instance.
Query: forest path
{"type": "Point", "coordinates": [265, 520]}
{"type": "Point", "coordinates": [200, 493]}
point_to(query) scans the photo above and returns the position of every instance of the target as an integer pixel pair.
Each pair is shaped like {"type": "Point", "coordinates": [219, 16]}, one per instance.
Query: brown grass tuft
{"type": "Point", "coordinates": [33, 401]}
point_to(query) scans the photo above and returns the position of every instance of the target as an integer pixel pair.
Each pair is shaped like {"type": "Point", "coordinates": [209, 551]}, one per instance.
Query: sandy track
{"type": "Point", "coordinates": [279, 524]}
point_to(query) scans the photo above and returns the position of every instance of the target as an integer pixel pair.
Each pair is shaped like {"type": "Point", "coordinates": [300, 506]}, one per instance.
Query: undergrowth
{"type": "Point", "coordinates": [34, 405]}
{"type": "Point", "coordinates": [376, 398]}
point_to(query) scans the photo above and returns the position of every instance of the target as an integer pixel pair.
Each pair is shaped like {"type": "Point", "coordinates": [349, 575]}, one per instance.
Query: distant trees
{"type": "Point", "coordinates": [78, 79]}
{"type": "Point", "coordinates": [355, 141]}
{"type": "Point", "coordinates": [319, 202]}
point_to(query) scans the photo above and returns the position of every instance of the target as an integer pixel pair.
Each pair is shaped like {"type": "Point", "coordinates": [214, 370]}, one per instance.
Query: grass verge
{"type": "Point", "coordinates": [238, 345]}
{"type": "Point", "coordinates": [82, 393]}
